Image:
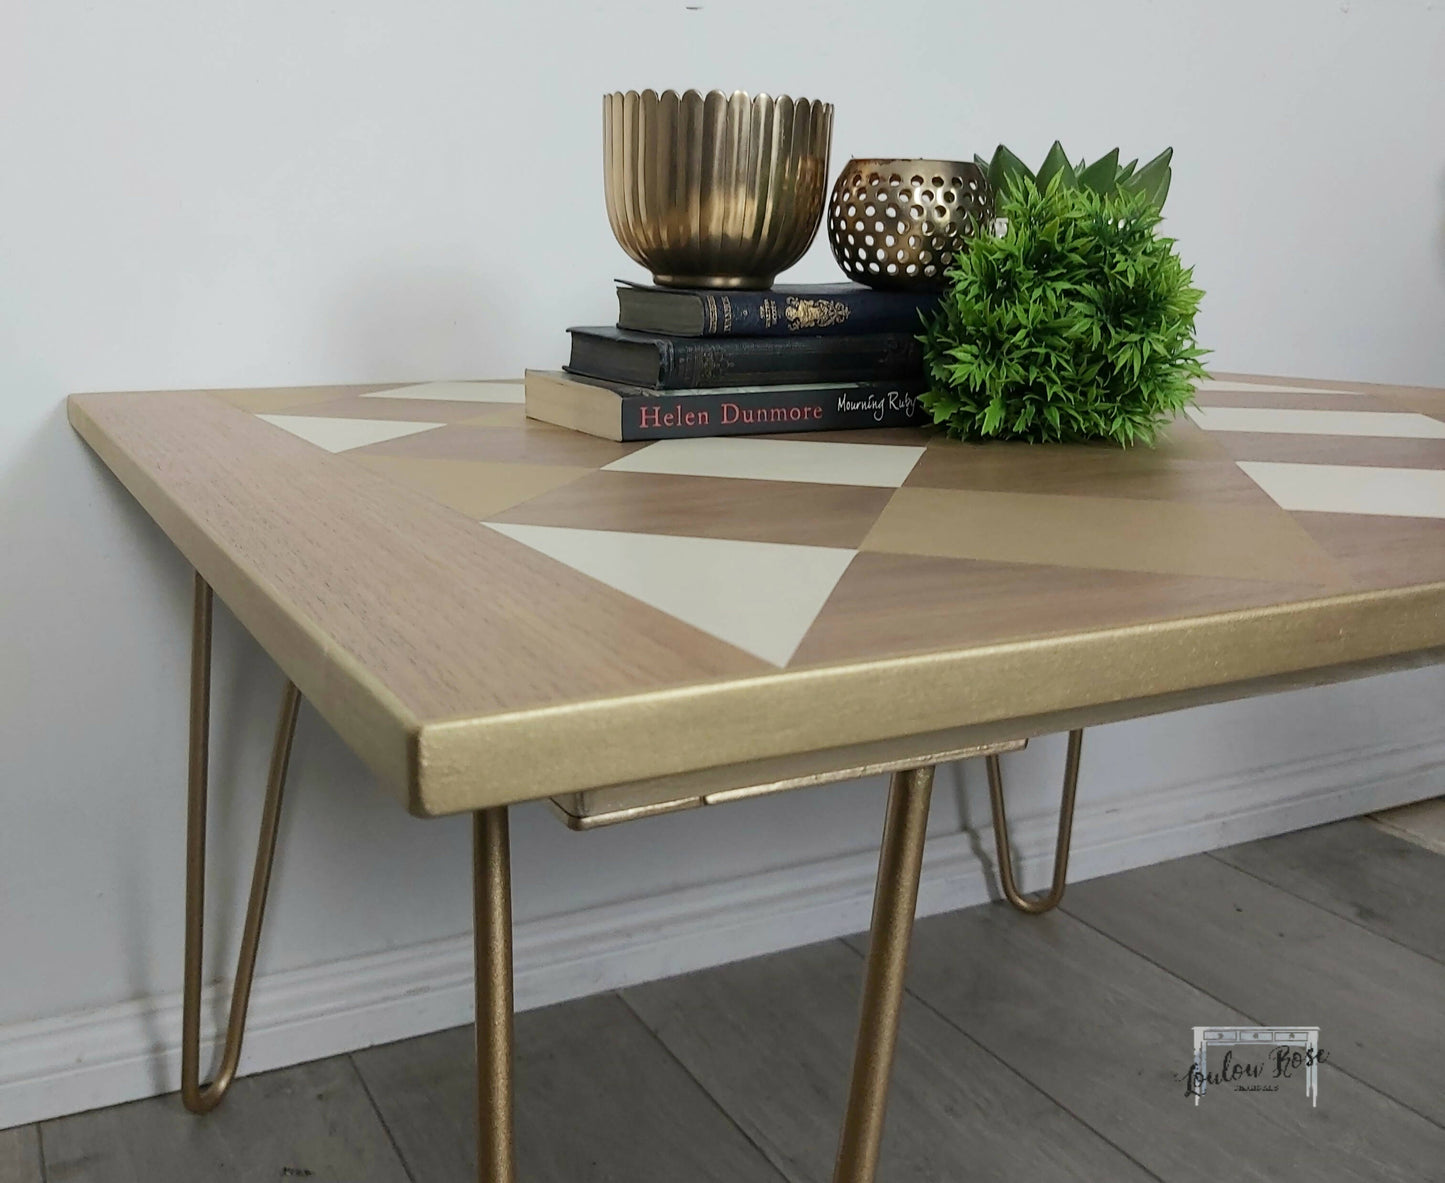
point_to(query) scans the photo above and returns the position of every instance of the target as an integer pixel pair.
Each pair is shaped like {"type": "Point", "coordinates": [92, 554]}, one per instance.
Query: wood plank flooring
{"type": "Point", "coordinates": [20, 1155]}
{"type": "Point", "coordinates": [597, 1098]}
{"type": "Point", "coordinates": [1107, 1035]}
{"type": "Point", "coordinates": [1272, 956]}
{"type": "Point", "coordinates": [1032, 1048]}
{"type": "Point", "coordinates": [309, 1122]}
{"type": "Point", "coordinates": [771, 1040]}
{"type": "Point", "coordinates": [1355, 870]}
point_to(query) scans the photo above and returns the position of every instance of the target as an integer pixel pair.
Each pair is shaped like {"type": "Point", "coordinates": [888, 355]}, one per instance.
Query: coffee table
{"type": "Point", "coordinates": [491, 610]}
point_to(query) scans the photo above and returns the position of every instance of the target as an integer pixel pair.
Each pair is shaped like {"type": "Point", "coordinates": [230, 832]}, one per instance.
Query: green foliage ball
{"type": "Point", "coordinates": [1077, 323]}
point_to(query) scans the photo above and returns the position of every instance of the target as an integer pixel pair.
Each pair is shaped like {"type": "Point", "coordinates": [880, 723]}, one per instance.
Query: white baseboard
{"type": "Point", "coordinates": [118, 1053]}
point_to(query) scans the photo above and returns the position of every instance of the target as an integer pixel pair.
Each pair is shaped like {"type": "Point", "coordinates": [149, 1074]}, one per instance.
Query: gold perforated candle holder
{"type": "Point", "coordinates": [898, 223]}
{"type": "Point", "coordinates": [716, 190]}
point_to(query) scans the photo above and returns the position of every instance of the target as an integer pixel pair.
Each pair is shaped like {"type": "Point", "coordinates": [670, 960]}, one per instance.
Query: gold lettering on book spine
{"type": "Point", "coordinates": [814, 314]}
{"type": "Point", "coordinates": [768, 312]}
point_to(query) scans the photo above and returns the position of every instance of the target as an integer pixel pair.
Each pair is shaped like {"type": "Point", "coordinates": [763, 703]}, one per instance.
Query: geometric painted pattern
{"type": "Point", "coordinates": [342, 435]}
{"type": "Point", "coordinates": [798, 550]}
{"type": "Point", "coordinates": [1293, 421]}
{"type": "Point", "coordinates": [750, 458]}
{"type": "Point", "coordinates": [1208, 388]}
{"type": "Point", "coordinates": [760, 596]}
{"type": "Point", "coordinates": [1339, 488]}
{"type": "Point", "coordinates": [466, 392]}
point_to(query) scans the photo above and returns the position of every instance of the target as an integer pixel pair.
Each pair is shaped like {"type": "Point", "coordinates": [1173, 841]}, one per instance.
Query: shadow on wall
{"type": "Point", "coordinates": [69, 650]}
{"type": "Point", "coordinates": [81, 557]}
{"type": "Point", "coordinates": [1440, 236]}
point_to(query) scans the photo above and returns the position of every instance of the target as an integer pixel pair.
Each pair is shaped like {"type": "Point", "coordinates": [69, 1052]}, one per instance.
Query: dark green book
{"type": "Point", "coordinates": [673, 363]}
{"type": "Point", "coordinates": [785, 310]}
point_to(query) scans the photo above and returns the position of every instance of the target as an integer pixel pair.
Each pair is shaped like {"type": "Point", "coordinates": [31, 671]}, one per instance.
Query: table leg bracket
{"type": "Point", "coordinates": [1035, 905]}
{"type": "Point", "coordinates": [200, 1098]}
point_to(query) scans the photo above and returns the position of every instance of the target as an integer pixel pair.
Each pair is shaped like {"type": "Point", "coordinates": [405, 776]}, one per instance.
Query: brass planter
{"type": "Point", "coordinates": [898, 223]}
{"type": "Point", "coordinates": [715, 191]}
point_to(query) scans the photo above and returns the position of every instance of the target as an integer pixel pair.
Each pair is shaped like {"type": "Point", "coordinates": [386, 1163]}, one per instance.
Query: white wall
{"type": "Point", "coordinates": [281, 192]}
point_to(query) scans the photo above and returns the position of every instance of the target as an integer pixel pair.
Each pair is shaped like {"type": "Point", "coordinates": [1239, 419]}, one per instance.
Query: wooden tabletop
{"type": "Point", "coordinates": [490, 609]}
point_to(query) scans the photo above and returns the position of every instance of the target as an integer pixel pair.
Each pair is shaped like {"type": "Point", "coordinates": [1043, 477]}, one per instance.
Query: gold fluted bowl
{"type": "Point", "coordinates": [715, 191]}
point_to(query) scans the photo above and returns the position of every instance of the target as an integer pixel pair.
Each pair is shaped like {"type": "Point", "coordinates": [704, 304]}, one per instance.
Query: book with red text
{"type": "Point", "coordinates": [633, 413]}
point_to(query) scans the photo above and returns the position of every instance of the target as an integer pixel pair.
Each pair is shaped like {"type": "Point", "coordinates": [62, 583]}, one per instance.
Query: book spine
{"type": "Point", "coordinates": [687, 362]}
{"type": "Point", "coordinates": [877, 404]}
{"type": "Point", "coordinates": [772, 314]}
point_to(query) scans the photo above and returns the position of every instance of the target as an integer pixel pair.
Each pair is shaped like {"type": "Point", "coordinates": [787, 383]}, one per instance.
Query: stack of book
{"type": "Point", "coordinates": [682, 362]}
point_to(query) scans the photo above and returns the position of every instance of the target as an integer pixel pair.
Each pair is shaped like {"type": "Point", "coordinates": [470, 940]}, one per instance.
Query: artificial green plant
{"type": "Point", "coordinates": [1076, 323]}
{"type": "Point", "coordinates": [1006, 172]}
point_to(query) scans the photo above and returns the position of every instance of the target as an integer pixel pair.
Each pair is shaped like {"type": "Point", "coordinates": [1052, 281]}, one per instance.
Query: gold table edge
{"type": "Point", "coordinates": [691, 728]}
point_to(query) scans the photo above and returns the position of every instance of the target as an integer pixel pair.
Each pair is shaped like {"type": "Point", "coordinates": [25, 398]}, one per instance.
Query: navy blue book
{"type": "Point", "coordinates": [785, 310]}
{"type": "Point", "coordinates": [662, 362]}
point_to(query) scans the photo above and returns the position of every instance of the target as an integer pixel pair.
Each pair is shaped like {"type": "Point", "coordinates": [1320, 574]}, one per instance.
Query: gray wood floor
{"type": "Point", "coordinates": [1032, 1049]}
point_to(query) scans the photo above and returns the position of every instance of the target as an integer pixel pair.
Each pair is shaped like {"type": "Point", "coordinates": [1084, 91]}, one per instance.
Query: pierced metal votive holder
{"type": "Point", "coordinates": [716, 190]}
{"type": "Point", "coordinates": [898, 223]}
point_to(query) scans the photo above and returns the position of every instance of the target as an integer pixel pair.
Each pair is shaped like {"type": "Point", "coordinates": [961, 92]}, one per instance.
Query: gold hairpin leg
{"type": "Point", "coordinates": [196, 1097]}
{"type": "Point", "coordinates": [492, 932]}
{"type": "Point", "coordinates": [1051, 898]}
{"type": "Point", "coordinates": [900, 861]}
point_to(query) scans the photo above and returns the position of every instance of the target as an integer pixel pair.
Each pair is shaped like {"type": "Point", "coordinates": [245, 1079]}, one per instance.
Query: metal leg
{"type": "Point", "coordinates": [492, 917]}
{"type": "Point", "coordinates": [1050, 899]}
{"type": "Point", "coordinates": [198, 1098]}
{"type": "Point", "coordinates": [896, 895]}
